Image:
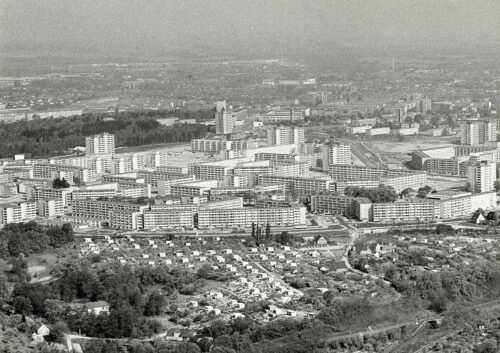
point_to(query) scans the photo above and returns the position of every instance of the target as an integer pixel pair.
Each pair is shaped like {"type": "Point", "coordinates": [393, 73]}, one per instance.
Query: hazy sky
{"type": "Point", "coordinates": [131, 23]}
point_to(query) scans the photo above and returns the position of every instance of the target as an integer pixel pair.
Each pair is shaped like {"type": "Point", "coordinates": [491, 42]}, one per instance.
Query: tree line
{"type": "Point", "coordinates": [31, 237]}
{"type": "Point", "coordinates": [133, 294]}
{"type": "Point", "coordinates": [49, 137]}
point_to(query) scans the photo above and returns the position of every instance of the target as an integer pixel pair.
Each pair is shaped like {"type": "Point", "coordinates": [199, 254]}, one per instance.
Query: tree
{"type": "Point", "coordinates": [223, 350]}
{"type": "Point", "coordinates": [268, 231]}
{"type": "Point", "coordinates": [187, 347]}
{"type": "Point", "coordinates": [468, 187]}
{"type": "Point", "coordinates": [424, 191]}
{"type": "Point", "coordinates": [444, 229]}
{"type": "Point", "coordinates": [58, 331]}
{"type": "Point", "coordinates": [59, 183]}
{"type": "Point", "coordinates": [489, 346]}
{"type": "Point", "coordinates": [406, 192]}
{"type": "Point", "coordinates": [154, 305]}
{"type": "Point", "coordinates": [19, 270]}
{"type": "Point", "coordinates": [285, 238]}
{"type": "Point", "coordinates": [4, 288]}
{"type": "Point", "coordinates": [22, 305]}
{"type": "Point", "coordinates": [205, 271]}
{"type": "Point", "coordinates": [497, 185]}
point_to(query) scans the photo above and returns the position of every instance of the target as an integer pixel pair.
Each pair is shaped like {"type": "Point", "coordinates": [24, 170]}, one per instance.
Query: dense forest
{"type": "Point", "coordinates": [28, 238]}
{"type": "Point", "coordinates": [130, 293]}
{"type": "Point", "coordinates": [50, 137]}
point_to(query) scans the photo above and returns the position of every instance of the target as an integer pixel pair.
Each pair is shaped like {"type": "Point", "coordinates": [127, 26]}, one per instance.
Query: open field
{"type": "Point", "coordinates": [410, 144]}
{"type": "Point", "coordinates": [442, 182]}
{"type": "Point", "coordinates": [41, 265]}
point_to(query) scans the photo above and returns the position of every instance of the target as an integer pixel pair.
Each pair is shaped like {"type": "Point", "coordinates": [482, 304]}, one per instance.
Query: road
{"type": "Point", "coordinates": [271, 274]}
{"type": "Point", "coordinates": [367, 156]}
{"type": "Point", "coordinates": [405, 345]}
{"type": "Point", "coordinates": [222, 234]}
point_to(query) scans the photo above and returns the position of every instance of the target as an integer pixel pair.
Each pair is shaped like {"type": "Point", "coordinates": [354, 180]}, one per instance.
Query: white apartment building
{"type": "Point", "coordinates": [15, 212]}
{"type": "Point", "coordinates": [436, 206]}
{"type": "Point", "coordinates": [165, 186]}
{"type": "Point", "coordinates": [172, 169]}
{"type": "Point", "coordinates": [224, 122]}
{"type": "Point", "coordinates": [297, 183]}
{"type": "Point", "coordinates": [414, 210]}
{"type": "Point", "coordinates": [194, 188]}
{"type": "Point", "coordinates": [43, 193]}
{"type": "Point", "coordinates": [344, 172]}
{"type": "Point", "coordinates": [482, 176]}
{"type": "Point", "coordinates": [336, 154]}
{"type": "Point", "coordinates": [217, 170]}
{"type": "Point", "coordinates": [50, 208]}
{"type": "Point", "coordinates": [8, 189]}
{"type": "Point", "coordinates": [171, 219]}
{"type": "Point", "coordinates": [52, 171]}
{"type": "Point", "coordinates": [400, 181]}
{"type": "Point", "coordinates": [477, 132]}
{"type": "Point", "coordinates": [285, 135]}
{"type": "Point", "coordinates": [244, 217]}
{"type": "Point", "coordinates": [100, 144]}
{"type": "Point", "coordinates": [334, 204]}
{"type": "Point", "coordinates": [153, 177]}
{"type": "Point", "coordinates": [101, 210]}
{"type": "Point", "coordinates": [121, 165]}
{"type": "Point", "coordinates": [215, 146]}
{"type": "Point", "coordinates": [339, 186]}
{"type": "Point", "coordinates": [126, 219]}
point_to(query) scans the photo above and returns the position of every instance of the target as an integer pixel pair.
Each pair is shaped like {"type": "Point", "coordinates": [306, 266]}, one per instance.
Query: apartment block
{"type": "Point", "coordinates": [244, 217]}
{"type": "Point", "coordinates": [336, 154]}
{"type": "Point", "coordinates": [216, 146]}
{"type": "Point", "coordinates": [51, 171]}
{"type": "Point", "coordinates": [100, 144]}
{"type": "Point", "coordinates": [400, 181]}
{"type": "Point", "coordinates": [482, 176]}
{"type": "Point", "coordinates": [172, 169]}
{"type": "Point", "coordinates": [395, 178]}
{"type": "Point", "coordinates": [8, 189]}
{"type": "Point", "coordinates": [50, 208]}
{"type": "Point", "coordinates": [414, 210]}
{"type": "Point", "coordinates": [126, 220]}
{"type": "Point", "coordinates": [165, 186]}
{"type": "Point", "coordinates": [100, 210]}
{"type": "Point", "coordinates": [43, 193]}
{"type": "Point", "coordinates": [193, 188]}
{"type": "Point", "coordinates": [477, 132]}
{"type": "Point", "coordinates": [335, 204]}
{"type": "Point", "coordinates": [284, 135]}
{"type": "Point", "coordinates": [217, 170]}
{"type": "Point", "coordinates": [224, 122]}
{"type": "Point", "coordinates": [15, 212]}
{"type": "Point", "coordinates": [153, 177]}
{"type": "Point", "coordinates": [297, 183]}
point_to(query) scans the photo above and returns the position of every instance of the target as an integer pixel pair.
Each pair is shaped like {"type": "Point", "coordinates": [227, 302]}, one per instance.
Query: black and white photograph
{"type": "Point", "coordinates": [235, 176]}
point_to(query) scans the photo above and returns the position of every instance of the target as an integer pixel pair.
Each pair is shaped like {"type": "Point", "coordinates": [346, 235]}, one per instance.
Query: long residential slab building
{"type": "Point", "coordinates": [436, 206]}
{"type": "Point", "coordinates": [227, 213]}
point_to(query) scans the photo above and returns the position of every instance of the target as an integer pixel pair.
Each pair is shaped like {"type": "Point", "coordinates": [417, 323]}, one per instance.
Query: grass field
{"type": "Point", "coordinates": [178, 154]}
{"type": "Point", "coordinates": [410, 144]}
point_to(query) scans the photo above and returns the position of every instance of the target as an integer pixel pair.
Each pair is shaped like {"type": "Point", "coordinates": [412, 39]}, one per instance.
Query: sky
{"type": "Point", "coordinates": [188, 24]}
